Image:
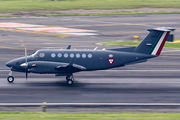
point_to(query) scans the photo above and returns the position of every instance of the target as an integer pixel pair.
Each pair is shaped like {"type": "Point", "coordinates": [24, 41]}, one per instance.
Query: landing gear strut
{"type": "Point", "coordinates": [10, 78]}
{"type": "Point", "coordinates": [70, 80]}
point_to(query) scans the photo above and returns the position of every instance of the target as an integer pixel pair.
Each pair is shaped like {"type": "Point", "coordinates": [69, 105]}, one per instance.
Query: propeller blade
{"type": "Point", "coordinates": [25, 55]}
{"type": "Point", "coordinates": [26, 74]}
{"type": "Point", "coordinates": [26, 67]}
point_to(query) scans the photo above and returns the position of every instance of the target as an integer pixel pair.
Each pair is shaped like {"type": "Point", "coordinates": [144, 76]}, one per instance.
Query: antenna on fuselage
{"type": "Point", "coordinates": [69, 47]}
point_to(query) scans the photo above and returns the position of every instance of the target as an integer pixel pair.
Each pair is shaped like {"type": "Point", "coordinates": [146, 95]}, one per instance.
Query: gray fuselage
{"type": "Point", "coordinates": [58, 61]}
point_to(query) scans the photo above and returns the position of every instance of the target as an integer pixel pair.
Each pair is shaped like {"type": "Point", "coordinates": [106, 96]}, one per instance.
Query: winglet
{"type": "Point", "coordinates": [69, 47]}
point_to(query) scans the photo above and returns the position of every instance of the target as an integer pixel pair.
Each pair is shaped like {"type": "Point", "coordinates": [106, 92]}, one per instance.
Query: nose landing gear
{"type": "Point", "coordinates": [10, 78]}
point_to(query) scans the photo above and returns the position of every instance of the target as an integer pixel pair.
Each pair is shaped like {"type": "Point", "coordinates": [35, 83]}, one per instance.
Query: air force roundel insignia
{"type": "Point", "coordinates": [111, 60]}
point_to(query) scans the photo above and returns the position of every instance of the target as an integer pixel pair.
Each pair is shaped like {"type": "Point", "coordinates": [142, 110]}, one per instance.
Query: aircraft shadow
{"type": "Point", "coordinates": [101, 87]}
{"type": "Point", "coordinates": [54, 84]}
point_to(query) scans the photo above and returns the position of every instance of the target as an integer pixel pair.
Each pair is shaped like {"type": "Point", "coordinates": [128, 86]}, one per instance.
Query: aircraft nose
{"type": "Point", "coordinates": [9, 64]}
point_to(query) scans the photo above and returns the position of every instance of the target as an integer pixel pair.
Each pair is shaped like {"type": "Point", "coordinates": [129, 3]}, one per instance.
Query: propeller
{"type": "Point", "coordinates": [26, 67]}
{"type": "Point", "coordinates": [25, 64]}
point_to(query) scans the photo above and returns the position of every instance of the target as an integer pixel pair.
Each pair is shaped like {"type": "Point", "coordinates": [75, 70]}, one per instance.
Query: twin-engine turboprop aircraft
{"type": "Point", "coordinates": [66, 62]}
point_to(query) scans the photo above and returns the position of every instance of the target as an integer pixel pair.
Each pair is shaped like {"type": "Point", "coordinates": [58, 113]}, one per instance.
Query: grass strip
{"type": "Point", "coordinates": [174, 44]}
{"type": "Point", "coordinates": [89, 14]}
{"type": "Point", "coordinates": [89, 116]}
{"type": "Point", "coordinates": [113, 13]}
{"type": "Point", "coordinates": [29, 5]}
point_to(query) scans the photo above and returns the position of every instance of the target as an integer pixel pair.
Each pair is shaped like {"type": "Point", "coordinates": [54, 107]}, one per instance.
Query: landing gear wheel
{"type": "Point", "coordinates": [69, 82]}
{"type": "Point", "coordinates": [10, 79]}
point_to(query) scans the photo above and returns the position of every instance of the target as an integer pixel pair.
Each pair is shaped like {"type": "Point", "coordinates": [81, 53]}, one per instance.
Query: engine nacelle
{"type": "Point", "coordinates": [43, 67]}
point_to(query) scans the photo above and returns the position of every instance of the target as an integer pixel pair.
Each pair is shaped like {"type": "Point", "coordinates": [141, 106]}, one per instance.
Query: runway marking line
{"type": "Point", "coordinates": [15, 25]}
{"type": "Point", "coordinates": [79, 25]}
{"type": "Point", "coordinates": [14, 48]}
{"type": "Point", "coordinates": [62, 31]}
{"type": "Point", "coordinates": [172, 50]}
{"type": "Point", "coordinates": [124, 33]}
{"type": "Point", "coordinates": [34, 32]}
{"type": "Point", "coordinates": [136, 24]}
{"type": "Point", "coordinates": [167, 23]}
{"type": "Point", "coordinates": [93, 104]}
{"type": "Point", "coordinates": [118, 24]}
{"type": "Point", "coordinates": [22, 43]}
{"type": "Point", "coordinates": [56, 29]}
{"type": "Point", "coordinates": [106, 24]}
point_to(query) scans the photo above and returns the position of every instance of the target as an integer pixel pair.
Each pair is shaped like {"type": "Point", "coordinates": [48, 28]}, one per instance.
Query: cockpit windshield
{"type": "Point", "coordinates": [39, 54]}
{"type": "Point", "coordinates": [35, 54]}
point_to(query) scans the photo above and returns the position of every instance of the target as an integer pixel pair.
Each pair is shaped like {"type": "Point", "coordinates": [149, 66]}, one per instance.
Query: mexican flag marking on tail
{"type": "Point", "coordinates": [160, 44]}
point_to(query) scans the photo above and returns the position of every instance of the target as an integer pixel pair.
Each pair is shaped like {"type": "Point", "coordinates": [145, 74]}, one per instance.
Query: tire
{"type": "Point", "coordinates": [67, 77]}
{"type": "Point", "coordinates": [69, 82]}
{"type": "Point", "coordinates": [10, 79]}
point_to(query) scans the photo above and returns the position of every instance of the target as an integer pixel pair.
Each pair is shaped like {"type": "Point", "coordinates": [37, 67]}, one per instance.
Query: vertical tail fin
{"type": "Point", "coordinates": [154, 41]}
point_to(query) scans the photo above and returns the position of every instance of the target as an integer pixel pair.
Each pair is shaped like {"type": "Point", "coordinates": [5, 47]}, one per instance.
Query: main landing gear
{"type": "Point", "coordinates": [70, 80]}
{"type": "Point", "coordinates": [10, 78]}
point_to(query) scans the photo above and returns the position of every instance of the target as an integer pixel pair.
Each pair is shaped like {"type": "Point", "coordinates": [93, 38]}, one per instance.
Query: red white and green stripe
{"type": "Point", "coordinates": [159, 45]}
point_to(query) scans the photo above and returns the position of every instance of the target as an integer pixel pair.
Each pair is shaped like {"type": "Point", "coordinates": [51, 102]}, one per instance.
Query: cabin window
{"type": "Point", "coordinates": [89, 55]}
{"type": "Point", "coordinates": [65, 55]}
{"type": "Point", "coordinates": [59, 55]}
{"type": "Point", "coordinates": [78, 55]}
{"type": "Point", "coordinates": [53, 55]}
{"type": "Point", "coordinates": [71, 55]}
{"type": "Point", "coordinates": [110, 55]}
{"type": "Point", "coordinates": [83, 55]}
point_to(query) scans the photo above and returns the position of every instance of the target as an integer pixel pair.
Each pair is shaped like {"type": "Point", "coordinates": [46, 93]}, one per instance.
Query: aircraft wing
{"type": "Point", "coordinates": [70, 67]}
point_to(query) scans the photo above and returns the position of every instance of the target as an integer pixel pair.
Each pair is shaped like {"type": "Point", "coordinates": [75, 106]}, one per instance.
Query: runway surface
{"type": "Point", "coordinates": [96, 90]}
{"type": "Point", "coordinates": [156, 81]}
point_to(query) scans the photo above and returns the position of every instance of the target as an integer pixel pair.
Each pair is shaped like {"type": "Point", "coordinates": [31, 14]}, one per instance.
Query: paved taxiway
{"type": "Point", "coordinates": [156, 81]}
